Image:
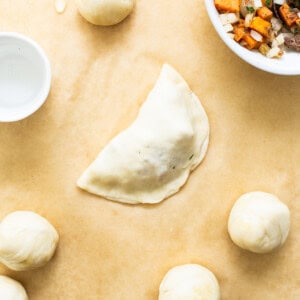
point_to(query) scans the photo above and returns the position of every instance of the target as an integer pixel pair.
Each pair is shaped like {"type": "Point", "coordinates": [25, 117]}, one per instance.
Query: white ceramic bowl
{"type": "Point", "coordinates": [288, 64]}
{"type": "Point", "coordinates": [25, 77]}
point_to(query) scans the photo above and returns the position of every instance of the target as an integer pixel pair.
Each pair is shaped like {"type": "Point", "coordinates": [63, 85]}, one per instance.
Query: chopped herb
{"type": "Point", "coordinates": [297, 30]}
{"type": "Point", "coordinates": [173, 167]}
{"type": "Point", "coordinates": [268, 2]}
{"type": "Point", "coordinates": [250, 9]}
{"type": "Point", "coordinates": [191, 156]}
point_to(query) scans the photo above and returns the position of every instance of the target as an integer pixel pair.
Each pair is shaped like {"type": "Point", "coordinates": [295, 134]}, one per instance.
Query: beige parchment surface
{"type": "Point", "coordinates": [101, 76]}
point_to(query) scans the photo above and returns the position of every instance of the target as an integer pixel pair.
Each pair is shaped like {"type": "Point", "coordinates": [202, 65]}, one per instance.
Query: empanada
{"type": "Point", "coordinates": [152, 158]}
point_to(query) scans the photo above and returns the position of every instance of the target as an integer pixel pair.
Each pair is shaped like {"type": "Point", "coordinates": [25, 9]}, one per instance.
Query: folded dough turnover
{"type": "Point", "coordinates": [153, 157]}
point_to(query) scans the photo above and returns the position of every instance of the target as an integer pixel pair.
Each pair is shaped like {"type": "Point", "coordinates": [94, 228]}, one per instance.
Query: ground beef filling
{"type": "Point", "coordinates": [293, 42]}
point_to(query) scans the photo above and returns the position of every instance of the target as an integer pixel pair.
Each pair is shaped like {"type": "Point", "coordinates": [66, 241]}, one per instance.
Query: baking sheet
{"type": "Point", "coordinates": [100, 78]}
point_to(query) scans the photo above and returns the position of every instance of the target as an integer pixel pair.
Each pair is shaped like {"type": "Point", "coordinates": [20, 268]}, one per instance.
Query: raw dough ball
{"type": "Point", "coordinates": [105, 12]}
{"type": "Point", "coordinates": [27, 240]}
{"type": "Point", "coordinates": [189, 282]}
{"type": "Point", "coordinates": [11, 289]}
{"type": "Point", "coordinates": [259, 222]}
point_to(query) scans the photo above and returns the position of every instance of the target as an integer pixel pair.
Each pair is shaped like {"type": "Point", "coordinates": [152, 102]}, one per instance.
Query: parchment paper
{"type": "Point", "coordinates": [100, 78]}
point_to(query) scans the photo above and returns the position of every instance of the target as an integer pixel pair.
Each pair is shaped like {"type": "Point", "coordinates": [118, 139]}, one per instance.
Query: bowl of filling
{"type": "Point", "coordinates": [264, 33]}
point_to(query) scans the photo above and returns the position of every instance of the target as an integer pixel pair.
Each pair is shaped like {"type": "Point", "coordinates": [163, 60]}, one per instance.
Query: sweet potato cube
{"type": "Point", "coordinates": [265, 13]}
{"type": "Point", "coordinates": [241, 23]}
{"type": "Point", "coordinates": [261, 26]}
{"type": "Point", "coordinates": [288, 15]}
{"type": "Point", "coordinates": [227, 5]}
{"type": "Point", "coordinates": [251, 43]}
{"type": "Point", "coordinates": [238, 33]}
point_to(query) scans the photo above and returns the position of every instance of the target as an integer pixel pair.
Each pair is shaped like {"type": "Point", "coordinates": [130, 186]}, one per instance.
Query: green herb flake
{"type": "Point", "coordinates": [250, 9]}
{"type": "Point", "coordinates": [268, 2]}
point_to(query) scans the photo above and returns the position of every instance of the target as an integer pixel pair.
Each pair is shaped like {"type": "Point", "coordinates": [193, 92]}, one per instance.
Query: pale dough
{"type": "Point", "coordinates": [105, 12]}
{"type": "Point", "coordinates": [259, 222]}
{"type": "Point", "coordinates": [189, 282]}
{"type": "Point", "coordinates": [11, 289]}
{"type": "Point", "coordinates": [27, 240]}
{"type": "Point", "coordinates": [153, 158]}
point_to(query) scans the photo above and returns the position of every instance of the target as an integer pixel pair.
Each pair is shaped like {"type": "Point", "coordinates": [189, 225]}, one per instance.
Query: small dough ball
{"type": "Point", "coordinates": [11, 289]}
{"type": "Point", "coordinates": [259, 222]}
{"type": "Point", "coordinates": [105, 12]}
{"type": "Point", "coordinates": [189, 282]}
{"type": "Point", "coordinates": [27, 240]}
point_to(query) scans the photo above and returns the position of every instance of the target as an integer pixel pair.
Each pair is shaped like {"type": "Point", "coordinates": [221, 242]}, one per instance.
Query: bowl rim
{"type": "Point", "coordinates": [245, 54]}
{"type": "Point", "coordinates": [38, 101]}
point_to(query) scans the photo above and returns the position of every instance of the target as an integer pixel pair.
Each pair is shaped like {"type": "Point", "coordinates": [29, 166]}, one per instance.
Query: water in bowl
{"type": "Point", "coordinates": [20, 80]}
